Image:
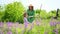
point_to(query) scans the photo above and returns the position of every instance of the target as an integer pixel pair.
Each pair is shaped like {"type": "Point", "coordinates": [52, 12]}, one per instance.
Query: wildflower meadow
{"type": "Point", "coordinates": [22, 17]}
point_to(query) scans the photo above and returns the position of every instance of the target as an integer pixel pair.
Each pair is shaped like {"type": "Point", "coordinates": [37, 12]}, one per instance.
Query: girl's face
{"type": "Point", "coordinates": [25, 15]}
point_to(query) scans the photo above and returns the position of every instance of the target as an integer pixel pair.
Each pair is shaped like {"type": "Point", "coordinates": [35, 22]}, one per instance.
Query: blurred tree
{"type": "Point", "coordinates": [43, 14]}
{"type": "Point", "coordinates": [52, 13]}
{"type": "Point", "coordinates": [0, 8]}
{"type": "Point", "coordinates": [1, 15]}
{"type": "Point", "coordinates": [38, 11]}
{"type": "Point", "coordinates": [59, 13]}
{"type": "Point", "coordinates": [13, 12]}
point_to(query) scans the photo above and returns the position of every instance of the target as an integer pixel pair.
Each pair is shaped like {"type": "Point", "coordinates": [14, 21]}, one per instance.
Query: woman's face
{"type": "Point", "coordinates": [31, 8]}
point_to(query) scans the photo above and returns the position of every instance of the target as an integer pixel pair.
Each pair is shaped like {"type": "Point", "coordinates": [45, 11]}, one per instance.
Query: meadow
{"type": "Point", "coordinates": [12, 20]}
{"type": "Point", "coordinates": [37, 27]}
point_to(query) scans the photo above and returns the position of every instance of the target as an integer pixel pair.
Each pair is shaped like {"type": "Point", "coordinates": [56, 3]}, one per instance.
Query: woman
{"type": "Point", "coordinates": [30, 13]}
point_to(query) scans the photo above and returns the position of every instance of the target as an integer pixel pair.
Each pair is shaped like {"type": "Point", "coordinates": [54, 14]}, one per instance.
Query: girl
{"type": "Point", "coordinates": [25, 20]}
{"type": "Point", "coordinates": [25, 23]}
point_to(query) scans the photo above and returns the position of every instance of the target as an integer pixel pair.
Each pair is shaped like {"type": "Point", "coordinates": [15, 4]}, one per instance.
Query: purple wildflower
{"type": "Point", "coordinates": [9, 24]}
{"type": "Point", "coordinates": [37, 22]}
{"type": "Point", "coordinates": [1, 32]}
{"type": "Point", "coordinates": [58, 22]}
{"type": "Point", "coordinates": [9, 32]}
{"type": "Point", "coordinates": [56, 31]}
{"type": "Point", "coordinates": [16, 24]}
{"type": "Point", "coordinates": [46, 31]}
{"type": "Point", "coordinates": [1, 24]}
{"type": "Point", "coordinates": [53, 23]}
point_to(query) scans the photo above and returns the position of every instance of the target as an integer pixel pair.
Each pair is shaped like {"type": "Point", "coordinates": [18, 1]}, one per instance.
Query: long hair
{"type": "Point", "coordinates": [30, 7]}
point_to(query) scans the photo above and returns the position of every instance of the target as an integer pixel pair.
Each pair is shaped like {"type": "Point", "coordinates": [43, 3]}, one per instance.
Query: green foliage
{"type": "Point", "coordinates": [38, 11]}
{"type": "Point", "coordinates": [52, 13]}
{"type": "Point", "coordinates": [43, 14]}
{"type": "Point", "coordinates": [0, 8]}
{"type": "Point", "coordinates": [59, 13]}
{"type": "Point", "coordinates": [1, 15]}
{"type": "Point", "coordinates": [13, 12]}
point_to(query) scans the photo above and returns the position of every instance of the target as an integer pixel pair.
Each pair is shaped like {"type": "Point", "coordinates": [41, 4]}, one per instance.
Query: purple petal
{"type": "Point", "coordinates": [1, 24]}
{"type": "Point", "coordinates": [58, 23]}
{"type": "Point", "coordinates": [9, 24]}
{"type": "Point", "coordinates": [9, 32]}
{"type": "Point", "coordinates": [56, 31]}
{"type": "Point", "coordinates": [53, 23]}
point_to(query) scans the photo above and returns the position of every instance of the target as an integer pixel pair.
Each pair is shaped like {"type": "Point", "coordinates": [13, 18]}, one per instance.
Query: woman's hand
{"type": "Point", "coordinates": [30, 16]}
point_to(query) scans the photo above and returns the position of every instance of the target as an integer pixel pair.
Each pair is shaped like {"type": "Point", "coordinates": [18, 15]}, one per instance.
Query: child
{"type": "Point", "coordinates": [25, 23]}
{"type": "Point", "coordinates": [25, 20]}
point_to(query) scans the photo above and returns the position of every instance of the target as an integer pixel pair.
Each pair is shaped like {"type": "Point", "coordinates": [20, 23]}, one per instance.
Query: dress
{"type": "Point", "coordinates": [30, 13]}
{"type": "Point", "coordinates": [25, 22]}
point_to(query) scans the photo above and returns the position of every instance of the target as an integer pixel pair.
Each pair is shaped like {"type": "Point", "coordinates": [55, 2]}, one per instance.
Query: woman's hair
{"type": "Point", "coordinates": [30, 7]}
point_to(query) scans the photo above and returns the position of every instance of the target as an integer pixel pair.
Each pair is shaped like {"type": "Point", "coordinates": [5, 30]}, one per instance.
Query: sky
{"type": "Point", "coordinates": [38, 4]}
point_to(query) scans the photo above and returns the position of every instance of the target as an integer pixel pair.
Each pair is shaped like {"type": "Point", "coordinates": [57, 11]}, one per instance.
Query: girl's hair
{"type": "Point", "coordinates": [25, 14]}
